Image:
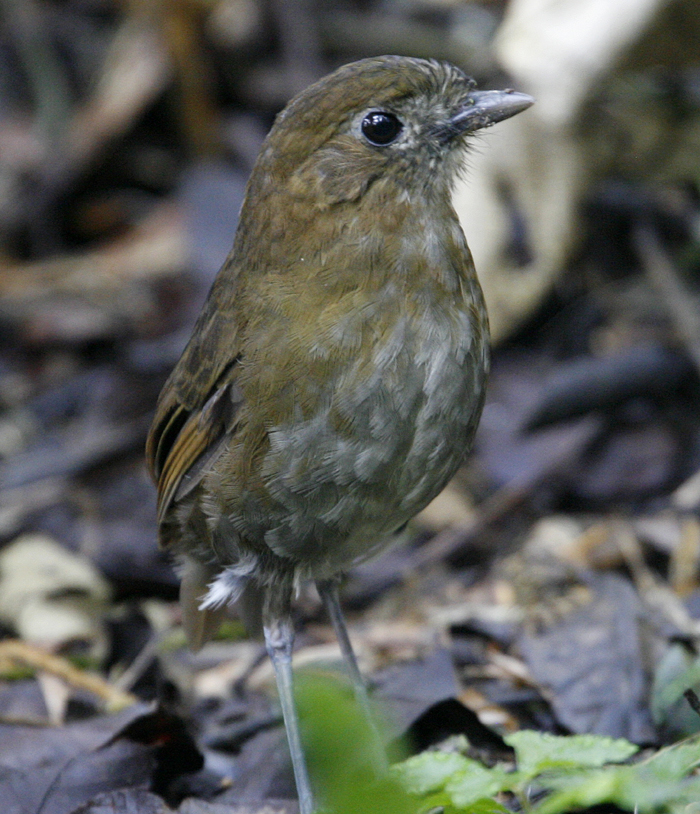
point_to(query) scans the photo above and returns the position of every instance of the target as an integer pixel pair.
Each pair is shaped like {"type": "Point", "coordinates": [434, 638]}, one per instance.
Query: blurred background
{"type": "Point", "coordinates": [556, 582]}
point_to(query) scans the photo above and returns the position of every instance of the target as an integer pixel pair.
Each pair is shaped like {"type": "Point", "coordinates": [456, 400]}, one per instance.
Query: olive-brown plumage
{"type": "Point", "coordinates": [336, 375]}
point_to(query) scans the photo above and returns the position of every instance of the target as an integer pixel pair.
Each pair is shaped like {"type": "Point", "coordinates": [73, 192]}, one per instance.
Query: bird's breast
{"type": "Point", "coordinates": [392, 416]}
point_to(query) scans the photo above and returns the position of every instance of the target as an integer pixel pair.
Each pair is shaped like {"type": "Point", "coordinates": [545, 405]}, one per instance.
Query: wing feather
{"type": "Point", "coordinates": [193, 440]}
{"type": "Point", "coordinates": [197, 407]}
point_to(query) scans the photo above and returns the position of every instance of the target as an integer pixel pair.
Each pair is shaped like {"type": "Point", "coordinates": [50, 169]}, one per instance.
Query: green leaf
{"type": "Point", "coordinates": [430, 771]}
{"type": "Point", "coordinates": [341, 751]}
{"type": "Point", "coordinates": [659, 784]}
{"type": "Point", "coordinates": [538, 752]}
{"type": "Point", "coordinates": [625, 786]}
{"type": "Point", "coordinates": [677, 760]}
{"type": "Point", "coordinates": [486, 807]}
{"type": "Point", "coordinates": [465, 782]}
{"type": "Point", "coordinates": [582, 791]}
{"type": "Point", "coordinates": [577, 772]}
{"type": "Point", "coordinates": [678, 670]}
{"type": "Point", "coordinates": [471, 784]}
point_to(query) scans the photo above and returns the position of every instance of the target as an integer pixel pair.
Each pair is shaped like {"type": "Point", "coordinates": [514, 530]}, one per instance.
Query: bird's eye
{"type": "Point", "coordinates": [381, 128]}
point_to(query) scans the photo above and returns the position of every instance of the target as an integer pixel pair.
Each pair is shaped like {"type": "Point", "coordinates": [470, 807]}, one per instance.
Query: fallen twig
{"type": "Point", "coordinates": [19, 652]}
{"type": "Point", "coordinates": [663, 275]}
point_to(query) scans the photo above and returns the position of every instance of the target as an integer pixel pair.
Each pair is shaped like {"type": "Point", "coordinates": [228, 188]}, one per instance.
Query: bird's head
{"type": "Point", "coordinates": [395, 118]}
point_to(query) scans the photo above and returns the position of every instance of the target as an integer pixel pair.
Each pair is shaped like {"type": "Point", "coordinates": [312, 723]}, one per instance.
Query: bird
{"type": "Point", "coordinates": [335, 377]}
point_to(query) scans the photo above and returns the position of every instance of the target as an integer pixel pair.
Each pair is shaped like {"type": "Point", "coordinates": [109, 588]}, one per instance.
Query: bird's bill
{"type": "Point", "coordinates": [486, 107]}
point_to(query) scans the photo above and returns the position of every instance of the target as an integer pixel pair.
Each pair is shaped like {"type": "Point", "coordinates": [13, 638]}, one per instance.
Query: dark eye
{"type": "Point", "coordinates": [381, 128]}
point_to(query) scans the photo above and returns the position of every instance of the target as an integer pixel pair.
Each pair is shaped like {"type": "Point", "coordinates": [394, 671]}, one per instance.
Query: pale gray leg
{"type": "Point", "coordinates": [279, 639]}
{"type": "Point", "coordinates": [328, 590]}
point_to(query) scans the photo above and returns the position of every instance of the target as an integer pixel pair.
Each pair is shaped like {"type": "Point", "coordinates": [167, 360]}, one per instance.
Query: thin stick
{"type": "Point", "coordinates": [17, 651]}
{"type": "Point", "coordinates": [663, 275]}
{"type": "Point", "coordinates": [692, 698]}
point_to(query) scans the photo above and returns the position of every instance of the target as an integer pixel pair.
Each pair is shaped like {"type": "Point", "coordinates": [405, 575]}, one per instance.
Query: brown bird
{"type": "Point", "coordinates": [336, 375]}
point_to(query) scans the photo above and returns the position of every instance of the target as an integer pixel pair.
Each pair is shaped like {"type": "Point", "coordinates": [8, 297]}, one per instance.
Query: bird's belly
{"type": "Point", "coordinates": [387, 438]}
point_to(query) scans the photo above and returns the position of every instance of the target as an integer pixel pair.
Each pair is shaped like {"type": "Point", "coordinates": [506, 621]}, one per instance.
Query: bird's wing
{"type": "Point", "coordinates": [198, 404]}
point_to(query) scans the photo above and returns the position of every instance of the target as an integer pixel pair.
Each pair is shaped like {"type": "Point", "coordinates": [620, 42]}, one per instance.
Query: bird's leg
{"type": "Point", "coordinates": [328, 591]}
{"type": "Point", "coordinates": [279, 640]}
